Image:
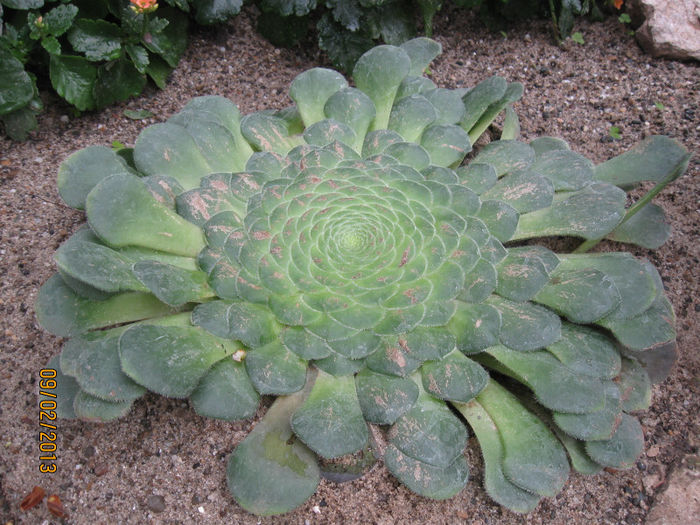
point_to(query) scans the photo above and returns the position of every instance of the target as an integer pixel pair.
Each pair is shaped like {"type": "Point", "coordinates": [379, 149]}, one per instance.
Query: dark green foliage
{"type": "Point", "coordinates": [94, 52]}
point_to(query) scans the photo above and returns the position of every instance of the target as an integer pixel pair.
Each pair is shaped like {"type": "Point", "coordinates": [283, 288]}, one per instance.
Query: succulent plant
{"type": "Point", "coordinates": [339, 256]}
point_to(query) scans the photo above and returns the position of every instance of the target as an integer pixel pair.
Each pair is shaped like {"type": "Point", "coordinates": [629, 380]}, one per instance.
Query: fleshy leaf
{"type": "Point", "coordinates": [623, 448]}
{"type": "Point", "coordinates": [84, 169]}
{"type": "Point", "coordinates": [123, 212]}
{"type": "Point", "coordinates": [312, 89]}
{"type": "Point", "coordinates": [591, 213]}
{"type": "Point", "coordinates": [596, 425]}
{"type": "Point", "coordinates": [454, 377]}
{"type": "Point", "coordinates": [526, 326]}
{"type": "Point", "coordinates": [533, 459]}
{"type": "Point", "coordinates": [384, 398]}
{"type": "Point", "coordinates": [330, 421]}
{"type": "Point", "coordinates": [226, 392]}
{"type": "Point", "coordinates": [635, 386]}
{"type": "Point", "coordinates": [496, 483]}
{"type": "Point", "coordinates": [275, 370]}
{"type": "Point", "coordinates": [647, 228]}
{"type": "Point", "coordinates": [655, 158]}
{"type": "Point", "coordinates": [91, 408]}
{"type": "Point", "coordinates": [378, 73]}
{"type": "Point", "coordinates": [62, 312]}
{"type": "Point", "coordinates": [583, 296]}
{"type": "Point", "coordinates": [272, 472]}
{"type": "Point", "coordinates": [555, 386]}
{"type": "Point", "coordinates": [429, 432]}
{"type": "Point", "coordinates": [170, 360]}
{"type": "Point", "coordinates": [425, 479]}
{"type": "Point", "coordinates": [66, 390]}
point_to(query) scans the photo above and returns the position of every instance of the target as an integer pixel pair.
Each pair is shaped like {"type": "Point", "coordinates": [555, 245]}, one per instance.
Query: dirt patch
{"type": "Point", "coordinates": [163, 463]}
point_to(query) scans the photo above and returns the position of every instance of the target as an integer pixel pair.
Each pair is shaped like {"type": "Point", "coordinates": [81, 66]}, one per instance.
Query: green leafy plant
{"type": "Point", "coordinates": [562, 12]}
{"type": "Point", "coordinates": [345, 28]}
{"type": "Point", "coordinates": [339, 255]}
{"type": "Point", "coordinates": [94, 52]}
{"type": "Point", "coordinates": [614, 132]}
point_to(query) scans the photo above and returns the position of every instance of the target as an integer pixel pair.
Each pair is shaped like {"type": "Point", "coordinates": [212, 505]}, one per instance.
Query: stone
{"type": "Point", "coordinates": [671, 28]}
{"type": "Point", "coordinates": [680, 501]}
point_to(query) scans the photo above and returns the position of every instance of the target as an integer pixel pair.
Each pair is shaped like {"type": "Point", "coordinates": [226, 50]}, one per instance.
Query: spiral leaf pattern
{"type": "Point", "coordinates": [338, 255]}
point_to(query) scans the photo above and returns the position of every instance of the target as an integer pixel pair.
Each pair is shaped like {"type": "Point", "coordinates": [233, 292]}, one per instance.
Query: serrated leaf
{"type": "Point", "coordinates": [74, 78]}
{"type": "Point", "coordinates": [117, 81]}
{"type": "Point", "coordinates": [98, 40]}
{"type": "Point", "coordinates": [343, 47]}
{"type": "Point", "coordinates": [209, 12]}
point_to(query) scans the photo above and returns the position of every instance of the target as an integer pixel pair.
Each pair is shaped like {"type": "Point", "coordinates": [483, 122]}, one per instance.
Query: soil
{"type": "Point", "coordinates": [164, 464]}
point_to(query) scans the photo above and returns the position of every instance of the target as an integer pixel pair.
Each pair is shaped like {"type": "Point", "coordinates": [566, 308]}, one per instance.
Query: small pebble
{"type": "Point", "coordinates": [64, 119]}
{"type": "Point", "coordinates": [155, 503]}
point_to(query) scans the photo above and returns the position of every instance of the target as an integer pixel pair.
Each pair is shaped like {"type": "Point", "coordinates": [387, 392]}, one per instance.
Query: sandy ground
{"type": "Point", "coordinates": [163, 463]}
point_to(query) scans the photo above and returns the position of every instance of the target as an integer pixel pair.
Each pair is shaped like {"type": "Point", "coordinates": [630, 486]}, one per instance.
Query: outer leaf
{"type": "Point", "coordinates": [62, 312]}
{"type": "Point", "coordinates": [647, 228]}
{"type": "Point", "coordinates": [429, 432]}
{"type": "Point", "coordinates": [330, 421]}
{"type": "Point", "coordinates": [623, 449]}
{"type": "Point", "coordinates": [378, 73]}
{"type": "Point", "coordinates": [455, 377]}
{"type": "Point", "coordinates": [226, 392]}
{"type": "Point", "coordinates": [170, 360]}
{"type": "Point", "coordinates": [275, 370]}
{"type": "Point", "coordinates": [533, 458]}
{"type": "Point", "coordinates": [426, 479]}
{"type": "Point", "coordinates": [122, 211]}
{"type": "Point", "coordinates": [66, 390]}
{"type": "Point", "coordinates": [497, 485]}
{"type": "Point", "coordinates": [92, 408]}
{"type": "Point", "coordinates": [312, 89]}
{"type": "Point", "coordinates": [271, 472]}
{"type": "Point", "coordinates": [591, 213]}
{"type": "Point", "coordinates": [655, 158]}
{"type": "Point", "coordinates": [421, 51]}
{"type": "Point", "coordinates": [384, 398]}
{"type": "Point", "coordinates": [82, 170]}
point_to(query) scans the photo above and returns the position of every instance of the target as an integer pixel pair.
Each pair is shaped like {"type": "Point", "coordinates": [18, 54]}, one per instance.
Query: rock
{"type": "Point", "coordinates": [671, 28]}
{"type": "Point", "coordinates": [155, 503]}
{"type": "Point", "coordinates": [680, 501]}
